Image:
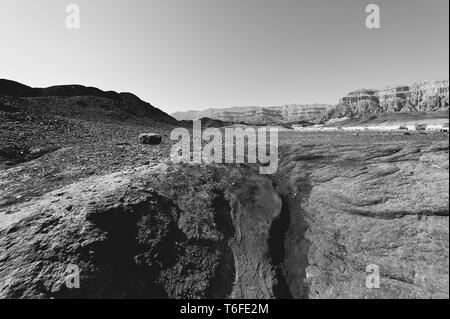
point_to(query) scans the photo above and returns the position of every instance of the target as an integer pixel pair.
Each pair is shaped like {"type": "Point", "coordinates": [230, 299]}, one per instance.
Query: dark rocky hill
{"type": "Point", "coordinates": [62, 98]}
{"type": "Point", "coordinates": [36, 121]}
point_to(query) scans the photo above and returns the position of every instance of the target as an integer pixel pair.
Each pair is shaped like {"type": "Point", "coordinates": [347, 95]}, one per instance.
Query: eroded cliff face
{"type": "Point", "coordinates": [428, 96]}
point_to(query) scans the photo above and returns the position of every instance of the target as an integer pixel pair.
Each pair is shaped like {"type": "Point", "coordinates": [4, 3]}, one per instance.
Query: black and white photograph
{"type": "Point", "coordinates": [221, 158]}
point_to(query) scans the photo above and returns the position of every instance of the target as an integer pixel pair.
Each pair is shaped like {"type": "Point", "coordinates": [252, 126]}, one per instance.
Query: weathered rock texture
{"type": "Point", "coordinates": [153, 232]}
{"type": "Point", "coordinates": [352, 206]}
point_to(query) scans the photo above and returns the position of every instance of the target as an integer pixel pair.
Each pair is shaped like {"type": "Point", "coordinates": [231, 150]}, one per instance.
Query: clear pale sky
{"type": "Point", "coordinates": [196, 54]}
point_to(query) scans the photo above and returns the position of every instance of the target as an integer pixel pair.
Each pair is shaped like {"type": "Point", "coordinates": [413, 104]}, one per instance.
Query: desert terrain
{"type": "Point", "coordinates": [77, 187]}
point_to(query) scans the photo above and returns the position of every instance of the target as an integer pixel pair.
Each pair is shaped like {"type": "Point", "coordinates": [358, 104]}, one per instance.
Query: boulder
{"type": "Point", "coordinates": [150, 138]}
{"type": "Point", "coordinates": [152, 232]}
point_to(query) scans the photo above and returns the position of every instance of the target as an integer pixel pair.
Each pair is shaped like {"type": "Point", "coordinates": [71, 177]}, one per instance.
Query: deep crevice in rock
{"type": "Point", "coordinates": [292, 249]}
{"type": "Point", "coordinates": [277, 251]}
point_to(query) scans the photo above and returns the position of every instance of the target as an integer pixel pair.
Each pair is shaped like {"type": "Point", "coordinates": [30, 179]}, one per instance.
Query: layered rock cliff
{"type": "Point", "coordinates": [428, 96]}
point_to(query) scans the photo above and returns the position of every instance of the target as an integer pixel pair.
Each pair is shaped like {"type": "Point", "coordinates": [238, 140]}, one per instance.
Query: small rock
{"type": "Point", "coordinates": [37, 150]}
{"type": "Point", "coordinates": [150, 138]}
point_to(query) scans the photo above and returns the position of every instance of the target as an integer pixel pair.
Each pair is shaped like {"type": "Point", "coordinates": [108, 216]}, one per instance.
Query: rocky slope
{"type": "Point", "coordinates": [78, 100]}
{"type": "Point", "coordinates": [258, 115]}
{"type": "Point", "coordinates": [34, 122]}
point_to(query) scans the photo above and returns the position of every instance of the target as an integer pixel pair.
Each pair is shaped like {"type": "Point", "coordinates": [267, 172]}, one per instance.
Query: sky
{"type": "Point", "coordinates": [196, 54]}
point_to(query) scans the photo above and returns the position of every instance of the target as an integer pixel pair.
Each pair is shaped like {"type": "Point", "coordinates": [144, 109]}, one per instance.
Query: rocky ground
{"type": "Point", "coordinates": [79, 189]}
{"type": "Point", "coordinates": [82, 190]}
{"type": "Point", "coordinates": [138, 226]}
{"type": "Point", "coordinates": [355, 201]}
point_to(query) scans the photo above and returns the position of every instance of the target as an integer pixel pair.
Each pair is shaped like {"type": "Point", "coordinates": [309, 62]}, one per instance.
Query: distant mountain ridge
{"type": "Point", "coordinates": [258, 115]}
{"type": "Point", "coordinates": [426, 96]}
